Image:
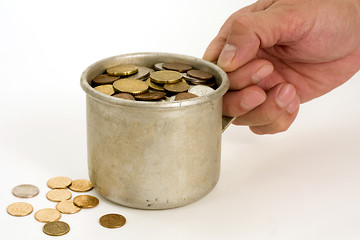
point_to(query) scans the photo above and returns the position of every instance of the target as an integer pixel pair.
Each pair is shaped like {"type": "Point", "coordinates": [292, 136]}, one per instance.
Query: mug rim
{"type": "Point", "coordinates": [101, 65]}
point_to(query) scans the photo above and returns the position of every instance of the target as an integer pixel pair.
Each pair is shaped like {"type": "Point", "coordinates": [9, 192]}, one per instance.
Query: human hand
{"type": "Point", "coordinates": [279, 54]}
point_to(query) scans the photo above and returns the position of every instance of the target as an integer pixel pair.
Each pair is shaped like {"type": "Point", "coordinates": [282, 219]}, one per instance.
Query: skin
{"type": "Point", "coordinates": [279, 54]}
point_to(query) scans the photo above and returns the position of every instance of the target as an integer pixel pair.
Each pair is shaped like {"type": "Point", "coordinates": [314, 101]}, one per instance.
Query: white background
{"type": "Point", "coordinates": [301, 184]}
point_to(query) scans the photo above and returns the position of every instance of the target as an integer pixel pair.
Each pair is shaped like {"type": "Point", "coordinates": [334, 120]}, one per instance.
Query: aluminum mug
{"type": "Point", "coordinates": [154, 155]}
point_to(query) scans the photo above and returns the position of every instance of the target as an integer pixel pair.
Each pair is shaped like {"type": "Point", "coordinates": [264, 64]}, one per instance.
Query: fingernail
{"type": "Point", "coordinates": [285, 95]}
{"type": "Point", "coordinates": [252, 100]}
{"type": "Point", "coordinates": [262, 73]}
{"type": "Point", "coordinates": [293, 107]}
{"type": "Point", "coordinates": [227, 55]}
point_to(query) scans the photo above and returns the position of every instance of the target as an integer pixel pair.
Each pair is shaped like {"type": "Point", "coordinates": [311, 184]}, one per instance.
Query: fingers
{"type": "Point", "coordinates": [217, 44]}
{"type": "Point", "coordinates": [250, 74]}
{"type": "Point", "coordinates": [237, 103]}
{"type": "Point", "coordinates": [282, 123]}
{"type": "Point", "coordinates": [265, 114]}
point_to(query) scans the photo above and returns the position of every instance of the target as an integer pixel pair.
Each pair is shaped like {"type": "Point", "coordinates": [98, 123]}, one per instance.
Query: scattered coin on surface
{"type": "Point", "coordinates": [47, 215]}
{"type": "Point", "coordinates": [59, 182]}
{"type": "Point", "coordinates": [19, 209]}
{"type": "Point", "coordinates": [86, 201]}
{"type": "Point", "coordinates": [112, 220]}
{"type": "Point", "coordinates": [58, 195]}
{"type": "Point", "coordinates": [56, 228]}
{"type": "Point", "coordinates": [67, 207]}
{"type": "Point", "coordinates": [25, 191]}
{"type": "Point", "coordinates": [81, 185]}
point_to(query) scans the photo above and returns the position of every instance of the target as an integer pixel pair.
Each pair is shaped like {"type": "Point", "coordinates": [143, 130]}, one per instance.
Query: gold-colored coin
{"type": "Point", "coordinates": [154, 85]}
{"type": "Point", "coordinates": [122, 70]}
{"type": "Point", "coordinates": [19, 209]}
{"type": "Point", "coordinates": [166, 76]}
{"type": "Point", "coordinates": [47, 215]}
{"type": "Point", "coordinates": [112, 220]}
{"type": "Point", "coordinates": [67, 207]}
{"type": "Point", "coordinates": [81, 185]}
{"type": "Point", "coordinates": [58, 195]}
{"type": "Point", "coordinates": [129, 85]}
{"type": "Point", "coordinates": [86, 201]}
{"type": "Point", "coordinates": [57, 228]}
{"type": "Point", "coordinates": [59, 182]}
{"type": "Point", "coordinates": [105, 89]}
{"type": "Point", "coordinates": [177, 87]}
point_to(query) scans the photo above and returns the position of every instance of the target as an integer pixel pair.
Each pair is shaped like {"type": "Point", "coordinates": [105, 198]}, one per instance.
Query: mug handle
{"type": "Point", "coordinates": [226, 121]}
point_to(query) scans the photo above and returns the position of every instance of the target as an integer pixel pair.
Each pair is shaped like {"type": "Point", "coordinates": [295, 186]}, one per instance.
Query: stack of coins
{"type": "Point", "coordinates": [60, 193]}
{"type": "Point", "coordinates": [169, 81]}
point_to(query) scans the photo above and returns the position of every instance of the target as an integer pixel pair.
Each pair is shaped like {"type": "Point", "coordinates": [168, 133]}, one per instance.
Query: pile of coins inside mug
{"type": "Point", "coordinates": [60, 193]}
{"type": "Point", "coordinates": [169, 81]}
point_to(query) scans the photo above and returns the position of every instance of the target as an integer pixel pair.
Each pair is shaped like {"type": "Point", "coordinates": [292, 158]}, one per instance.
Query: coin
{"type": "Point", "coordinates": [104, 79]}
{"type": "Point", "coordinates": [56, 228]}
{"type": "Point", "coordinates": [155, 95]}
{"type": "Point", "coordinates": [122, 70]}
{"type": "Point", "coordinates": [112, 220]}
{"type": "Point", "coordinates": [200, 74]}
{"type": "Point", "coordinates": [81, 185]}
{"type": "Point", "coordinates": [86, 201]}
{"type": "Point", "coordinates": [198, 81]}
{"type": "Point", "coordinates": [25, 191]}
{"type": "Point", "coordinates": [154, 85]}
{"type": "Point", "coordinates": [105, 89]}
{"type": "Point", "coordinates": [166, 76]}
{"type": "Point", "coordinates": [158, 66]}
{"type": "Point", "coordinates": [142, 74]}
{"type": "Point", "coordinates": [58, 195]}
{"type": "Point", "coordinates": [177, 87]}
{"type": "Point", "coordinates": [127, 96]}
{"type": "Point", "coordinates": [19, 209]}
{"type": "Point", "coordinates": [67, 207]}
{"type": "Point", "coordinates": [59, 182]}
{"type": "Point", "coordinates": [184, 95]}
{"type": "Point", "coordinates": [200, 90]}
{"type": "Point", "coordinates": [132, 86]}
{"type": "Point", "coordinates": [47, 215]}
{"type": "Point", "coordinates": [180, 67]}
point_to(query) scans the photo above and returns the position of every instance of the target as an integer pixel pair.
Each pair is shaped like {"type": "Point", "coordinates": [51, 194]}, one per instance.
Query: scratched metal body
{"type": "Point", "coordinates": [154, 155]}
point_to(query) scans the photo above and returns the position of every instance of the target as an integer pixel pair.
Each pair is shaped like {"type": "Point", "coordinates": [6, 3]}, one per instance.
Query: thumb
{"type": "Point", "coordinates": [248, 33]}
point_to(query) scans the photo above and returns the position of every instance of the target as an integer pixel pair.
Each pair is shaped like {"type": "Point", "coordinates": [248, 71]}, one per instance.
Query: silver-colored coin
{"type": "Point", "coordinates": [25, 191]}
{"type": "Point", "coordinates": [159, 67]}
{"type": "Point", "coordinates": [142, 74]}
{"type": "Point", "coordinates": [188, 78]}
{"type": "Point", "coordinates": [200, 90]}
{"type": "Point", "coordinates": [170, 99]}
